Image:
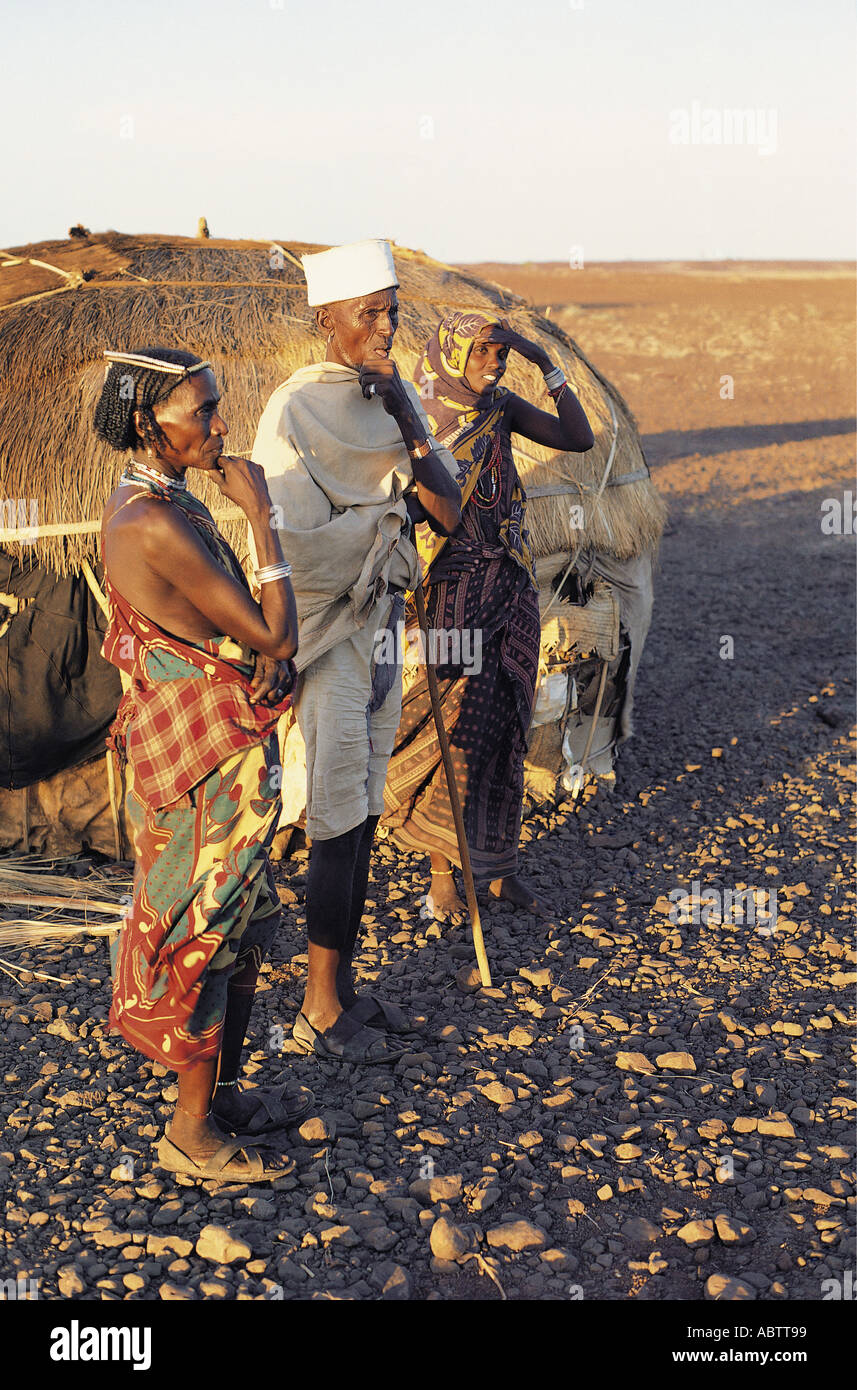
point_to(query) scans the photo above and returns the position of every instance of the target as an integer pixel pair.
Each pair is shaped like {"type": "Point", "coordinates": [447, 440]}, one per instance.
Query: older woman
{"type": "Point", "coordinates": [199, 735]}
{"type": "Point", "coordinates": [480, 583]}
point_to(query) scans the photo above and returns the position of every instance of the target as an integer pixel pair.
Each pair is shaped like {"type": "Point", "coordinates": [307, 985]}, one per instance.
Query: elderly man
{"type": "Point", "coordinates": [340, 443]}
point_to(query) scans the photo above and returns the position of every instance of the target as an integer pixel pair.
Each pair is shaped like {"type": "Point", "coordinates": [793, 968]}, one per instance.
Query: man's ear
{"type": "Point", "coordinates": [324, 319]}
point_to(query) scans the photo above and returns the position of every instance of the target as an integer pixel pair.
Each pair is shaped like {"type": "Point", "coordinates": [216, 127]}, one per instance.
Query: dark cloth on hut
{"type": "Point", "coordinates": [57, 693]}
{"type": "Point", "coordinates": [480, 583]}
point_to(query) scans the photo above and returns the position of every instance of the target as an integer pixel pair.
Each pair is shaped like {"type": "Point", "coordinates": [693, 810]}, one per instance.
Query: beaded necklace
{"type": "Point", "coordinates": [492, 474]}
{"type": "Point", "coordinates": [136, 472]}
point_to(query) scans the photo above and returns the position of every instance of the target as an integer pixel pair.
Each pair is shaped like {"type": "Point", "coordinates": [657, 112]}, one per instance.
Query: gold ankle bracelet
{"type": "Point", "coordinates": [193, 1113]}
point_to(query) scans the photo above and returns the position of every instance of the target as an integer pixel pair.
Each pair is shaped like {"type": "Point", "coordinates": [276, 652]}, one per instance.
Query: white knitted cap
{"type": "Point", "coordinates": [349, 272]}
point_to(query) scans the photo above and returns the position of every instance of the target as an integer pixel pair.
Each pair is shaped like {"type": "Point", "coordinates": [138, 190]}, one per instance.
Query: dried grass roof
{"type": "Point", "coordinates": [244, 307]}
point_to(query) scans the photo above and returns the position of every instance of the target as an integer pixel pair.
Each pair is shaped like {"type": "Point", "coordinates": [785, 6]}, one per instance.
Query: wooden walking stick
{"type": "Point", "coordinates": [454, 800]}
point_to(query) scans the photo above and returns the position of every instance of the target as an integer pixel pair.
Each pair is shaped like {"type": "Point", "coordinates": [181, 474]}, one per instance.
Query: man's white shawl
{"type": "Point", "coordinates": [337, 468]}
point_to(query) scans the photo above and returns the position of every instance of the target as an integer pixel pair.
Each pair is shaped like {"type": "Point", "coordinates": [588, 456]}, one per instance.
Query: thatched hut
{"type": "Point", "coordinates": [242, 304]}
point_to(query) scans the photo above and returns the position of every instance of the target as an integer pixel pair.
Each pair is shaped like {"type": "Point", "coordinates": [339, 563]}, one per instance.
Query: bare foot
{"type": "Point", "coordinates": [512, 890]}
{"type": "Point", "coordinates": [322, 1018]}
{"type": "Point", "coordinates": [445, 900]}
{"type": "Point", "coordinates": [199, 1139]}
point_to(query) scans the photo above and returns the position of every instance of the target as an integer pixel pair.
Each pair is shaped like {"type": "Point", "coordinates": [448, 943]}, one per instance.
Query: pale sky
{"type": "Point", "coordinates": [498, 131]}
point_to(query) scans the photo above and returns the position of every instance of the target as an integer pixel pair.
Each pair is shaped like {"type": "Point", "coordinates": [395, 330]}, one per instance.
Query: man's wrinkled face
{"type": "Point", "coordinates": [361, 328]}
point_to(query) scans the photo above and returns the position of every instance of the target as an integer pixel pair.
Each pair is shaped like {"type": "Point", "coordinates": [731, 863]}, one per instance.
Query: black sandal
{"type": "Point", "coordinates": [277, 1107]}
{"type": "Point", "coordinates": [380, 1014]}
{"type": "Point", "coordinates": [346, 1040]}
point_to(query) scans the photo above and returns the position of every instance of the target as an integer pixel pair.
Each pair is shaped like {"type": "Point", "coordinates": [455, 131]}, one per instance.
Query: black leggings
{"type": "Point", "coordinates": [336, 887]}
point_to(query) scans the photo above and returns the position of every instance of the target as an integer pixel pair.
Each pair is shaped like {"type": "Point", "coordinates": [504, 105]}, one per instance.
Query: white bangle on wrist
{"type": "Point", "coordinates": [268, 574]}
{"type": "Point", "coordinates": [554, 378]}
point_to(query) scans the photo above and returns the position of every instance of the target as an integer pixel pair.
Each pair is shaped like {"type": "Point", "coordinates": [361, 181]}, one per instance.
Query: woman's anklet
{"type": "Point", "coordinates": [193, 1113]}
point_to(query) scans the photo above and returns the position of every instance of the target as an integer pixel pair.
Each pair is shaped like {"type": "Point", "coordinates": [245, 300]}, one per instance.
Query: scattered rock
{"type": "Point", "coordinates": [696, 1233]}
{"type": "Point", "coordinates": [340, 1235]}
{"type": "Point", "coordinates": [498, 1094]}
{"type": "Point", "coordinates": [217, 1244]}
{"type": "Point", "coordinates": [732, 1231]}
{"type": "Point", "coordinates": [819, 1198]}
{"type": "Point", "coordinates": [446, 1188]}
{"type": "Point", "coordinates": [722, 1289]}
{"type": "Point", "coordinates": [69, 1282]}
{"type": "Point", "coordinates": [517, 1235]}
{"type": "Point", "coordinates": [449, 1241]}
{"type": "Point", "coordinates": [765, 1094]}
{"type": "Point", "coordinates": [380, 1238]}
{"type": "Point", "coordinates": [745, 1124]}
{"type": "Point", "coordinates": [778, 1128]}
{"type": "Point", "coordinates": [397, 1286]}
{"type": "Point", "coordinates": [676, 1061]}
{"type": "Point", "coordinates": [468, 979]}
{"type": "Point", "coordinates": [541, 978]}
{"type": "Point", "coordinates": [317, 1129]}
{"type": "Point", "coordinates": [634, 1061]}
{"type": "Point", "coordinates": [501, 1102]}
{"type": "Point", "coordinates": [162, 1245]}
{"type": "Point", "coordinates": [639, 1228]}
{"type": "Point", "coordinates": [485, 1195]}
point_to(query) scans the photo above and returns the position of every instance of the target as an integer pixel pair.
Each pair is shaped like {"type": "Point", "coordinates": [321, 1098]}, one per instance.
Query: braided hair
{"type": "Point", "coordinates": [130, 386]}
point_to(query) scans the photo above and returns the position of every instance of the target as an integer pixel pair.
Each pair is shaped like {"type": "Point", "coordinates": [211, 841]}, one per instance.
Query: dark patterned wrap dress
{"type": "Point", "coordinates": [482, 586]}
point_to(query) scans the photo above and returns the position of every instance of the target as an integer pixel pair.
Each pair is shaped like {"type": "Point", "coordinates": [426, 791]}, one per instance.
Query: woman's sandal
{"type": "Point", "coordinates": [278, 1107]}
{"type": "Point", "coordinates": [346, 1040]}
{"type": "Point", "coordinates": [223, 1166]}
{"type": "Point", "coordinates": [380, 1014]}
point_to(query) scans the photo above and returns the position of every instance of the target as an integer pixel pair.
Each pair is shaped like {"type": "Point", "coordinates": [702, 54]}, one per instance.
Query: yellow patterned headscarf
{"type": "Point", "coordinates": [464, 421]}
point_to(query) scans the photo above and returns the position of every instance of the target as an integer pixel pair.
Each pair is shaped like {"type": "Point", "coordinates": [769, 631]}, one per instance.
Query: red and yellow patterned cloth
{"type": "Point", "coordinates": [187, 708]}
{"type": "Point", "coordinates": [205, 908]}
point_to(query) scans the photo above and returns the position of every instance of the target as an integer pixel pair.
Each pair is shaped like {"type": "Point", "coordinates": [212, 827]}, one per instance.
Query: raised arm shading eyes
{"type": "Point", "coordinates": [569, 429]}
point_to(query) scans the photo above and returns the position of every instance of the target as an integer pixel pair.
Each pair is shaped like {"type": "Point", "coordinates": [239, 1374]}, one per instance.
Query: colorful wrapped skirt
{"type": "Point", "coordinates": [205, 907]}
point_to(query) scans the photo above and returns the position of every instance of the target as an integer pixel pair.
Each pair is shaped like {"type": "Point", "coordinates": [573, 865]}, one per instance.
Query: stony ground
{"type": "Point", "coordinates": [638, 1107]}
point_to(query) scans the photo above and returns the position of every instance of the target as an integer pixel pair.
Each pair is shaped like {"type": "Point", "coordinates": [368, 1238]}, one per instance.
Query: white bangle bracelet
{"type": "Point", "coordinates": [269, 573]}
{"type": "Point", "coordinates": [555, 378]}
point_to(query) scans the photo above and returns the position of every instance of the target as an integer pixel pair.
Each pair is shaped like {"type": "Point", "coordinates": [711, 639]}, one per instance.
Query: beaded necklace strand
{"type": "Point", "coordinates": [492, 473]}
{"type": "Point", "coordinates": [136, 472]}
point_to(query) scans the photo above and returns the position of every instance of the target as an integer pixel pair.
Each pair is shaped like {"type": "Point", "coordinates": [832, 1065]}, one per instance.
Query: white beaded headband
{"type": "Point", "coordinates": [136, 359]}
